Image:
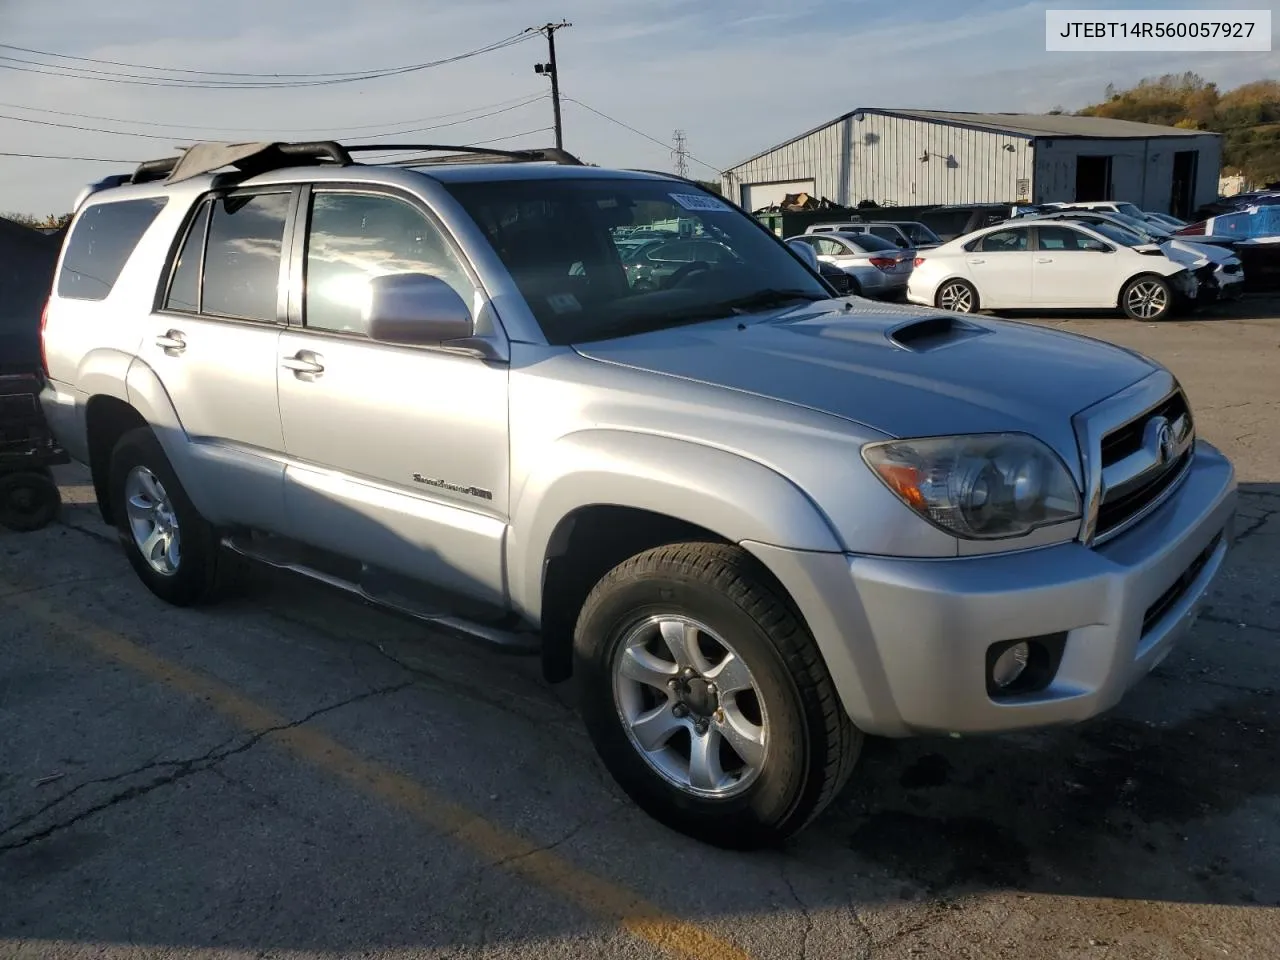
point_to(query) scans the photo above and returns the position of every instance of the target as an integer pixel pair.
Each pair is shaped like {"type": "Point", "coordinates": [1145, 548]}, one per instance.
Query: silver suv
{"type": "Point", "coordinates": [753, 521]}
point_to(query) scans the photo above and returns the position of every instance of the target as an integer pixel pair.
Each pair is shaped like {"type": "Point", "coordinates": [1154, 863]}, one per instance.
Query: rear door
{"type": "Point", "coordinates": [398, 456]}
{"type": "Point", "coordinates": [1000, 263]}
{"type": "Point", "coordinates": [213, 344]}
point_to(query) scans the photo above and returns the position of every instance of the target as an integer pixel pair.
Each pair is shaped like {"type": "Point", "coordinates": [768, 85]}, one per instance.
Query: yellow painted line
{"type": "Point", "coordinates": [491, 842]}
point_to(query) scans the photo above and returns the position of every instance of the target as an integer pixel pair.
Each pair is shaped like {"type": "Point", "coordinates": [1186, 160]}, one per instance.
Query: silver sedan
{"type": "Point", "coordinates": [877, 267]}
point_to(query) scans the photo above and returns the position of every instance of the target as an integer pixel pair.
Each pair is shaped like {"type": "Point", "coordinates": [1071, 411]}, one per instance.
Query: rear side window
{"type": "Point", "coordinates": [184, 291]}
{"type": "Point", "coordinates": [101, 243]}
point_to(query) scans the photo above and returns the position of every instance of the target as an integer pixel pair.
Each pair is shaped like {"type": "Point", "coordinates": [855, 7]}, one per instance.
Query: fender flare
{"type": "Point", "coordinates": [736, 498]}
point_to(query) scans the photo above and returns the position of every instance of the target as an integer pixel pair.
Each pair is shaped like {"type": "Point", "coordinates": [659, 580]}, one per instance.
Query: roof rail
{"type": "Point", "coordinates": [463, 154]}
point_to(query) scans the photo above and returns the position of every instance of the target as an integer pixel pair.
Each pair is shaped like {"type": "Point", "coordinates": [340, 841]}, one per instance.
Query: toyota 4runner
{"type": "Point", "coordinates": [754, 521]}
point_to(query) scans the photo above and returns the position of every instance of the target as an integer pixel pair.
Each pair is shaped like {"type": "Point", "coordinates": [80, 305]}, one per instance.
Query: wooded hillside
{"type": "Point", "coordinates": [1248, 117]}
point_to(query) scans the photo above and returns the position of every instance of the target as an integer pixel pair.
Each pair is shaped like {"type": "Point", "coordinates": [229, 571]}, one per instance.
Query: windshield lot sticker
{"type": "Point", "coordinates": [698, 201]}
{"type": "Point", "coordinates": [564, 303]}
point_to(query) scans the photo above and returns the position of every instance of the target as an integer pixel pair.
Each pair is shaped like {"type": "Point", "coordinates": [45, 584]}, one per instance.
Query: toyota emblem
{"type": "Point", "coordinates": [1161, 440]}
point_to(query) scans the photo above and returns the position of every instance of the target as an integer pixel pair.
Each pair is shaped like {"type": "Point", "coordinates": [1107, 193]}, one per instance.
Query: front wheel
{"type": "Point", "coordinates": [707, 699]}
{"type": "Point", "coordinates": [958, 296]}
{"type": "Point", "coordinates": [1147, 298]}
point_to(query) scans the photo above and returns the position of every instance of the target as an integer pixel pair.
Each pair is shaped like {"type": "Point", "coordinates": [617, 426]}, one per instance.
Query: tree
{"type": "Point", "coordinates": [52, 221]}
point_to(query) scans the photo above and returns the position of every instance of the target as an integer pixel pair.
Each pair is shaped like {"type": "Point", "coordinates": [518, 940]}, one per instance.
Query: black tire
{"type": "Point", "coordinates": [29, 500]}
{"type": "Point", "coordinates": [1131, 303]}
{"type": "Point", "coordinates": [811, 745]}
{"type": "Point", "coordinates": [203, 569]}
{"type": "Point", "coordinates": [967, 293]}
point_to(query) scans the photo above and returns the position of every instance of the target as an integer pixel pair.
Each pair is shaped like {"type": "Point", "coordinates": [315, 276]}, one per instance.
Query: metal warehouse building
{"type": "Point", "coordinates": [910, 157]}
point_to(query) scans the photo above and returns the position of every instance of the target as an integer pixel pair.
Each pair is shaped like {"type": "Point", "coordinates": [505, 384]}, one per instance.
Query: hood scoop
{"type": "Point", "coordinates": [932, 332]}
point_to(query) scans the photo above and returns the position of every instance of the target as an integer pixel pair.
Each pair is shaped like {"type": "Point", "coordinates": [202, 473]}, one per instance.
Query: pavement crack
{"type": "Point", "coordinates": [804, 911]}
{"type": "Point", "coordinates": [547, 847]}
{"type": "Point", "coordinates": [182, 769]}
{"type": "Point", "coordinates": [1208, 617]}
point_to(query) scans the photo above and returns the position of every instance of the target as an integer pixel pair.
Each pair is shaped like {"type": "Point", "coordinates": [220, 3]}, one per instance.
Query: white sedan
{"type": "Point", "coordinates": [1063, 265]}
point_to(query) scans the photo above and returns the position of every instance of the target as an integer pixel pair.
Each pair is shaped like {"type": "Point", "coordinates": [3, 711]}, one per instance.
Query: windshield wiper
{"type": "Point", "coordinates": [759, 300]}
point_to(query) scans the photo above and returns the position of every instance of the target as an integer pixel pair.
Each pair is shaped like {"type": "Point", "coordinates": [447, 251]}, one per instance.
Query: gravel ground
{"type": "Point", "coordinates": [295, 775]}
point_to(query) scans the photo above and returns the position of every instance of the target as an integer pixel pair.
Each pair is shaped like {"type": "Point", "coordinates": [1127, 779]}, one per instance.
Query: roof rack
{"type": "Point", "coordinates": [254, 158]}
{"type": "Point", "coordinates": [461, 154]}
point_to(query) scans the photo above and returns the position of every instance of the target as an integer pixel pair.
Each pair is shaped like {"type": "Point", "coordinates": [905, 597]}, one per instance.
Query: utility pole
{"type": "Point", "coordinates": [680, 153]}
{"type": "Point", "coordinates": [548, 69]}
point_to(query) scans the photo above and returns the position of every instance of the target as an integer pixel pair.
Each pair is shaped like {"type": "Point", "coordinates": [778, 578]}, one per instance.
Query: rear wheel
{"type": "Point", "coordinates": [173, 549]}
{"type": "Point", "coordinates": [29, 500]}
{"type": "Point", "coordinates": [1147, 298]}
{"type": "Point", "coordinates": [707, 699]}
{"type": "Point", "coordinates": [958, 296]}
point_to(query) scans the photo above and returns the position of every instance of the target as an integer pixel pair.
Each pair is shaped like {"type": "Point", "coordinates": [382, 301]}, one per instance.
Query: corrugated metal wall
{"type": "Point", "coordinates": [1141, 170]}
{"type": "Point", "coordinates": [878, 158]}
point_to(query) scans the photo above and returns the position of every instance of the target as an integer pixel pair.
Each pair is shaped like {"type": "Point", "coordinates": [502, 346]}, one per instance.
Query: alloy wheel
{"type": "Point", "coordinates": [690, 706]}
{"type": "Point", "coordinates": [152, 521]}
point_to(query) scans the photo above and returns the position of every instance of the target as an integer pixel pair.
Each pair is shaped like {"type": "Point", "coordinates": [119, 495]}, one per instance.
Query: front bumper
{"type": "Point", "coordinates": [906, 640]}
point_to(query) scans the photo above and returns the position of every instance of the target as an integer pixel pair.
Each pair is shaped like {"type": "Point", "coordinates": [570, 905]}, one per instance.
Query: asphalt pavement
{"type": "Point", "coordinates": [294, 774]}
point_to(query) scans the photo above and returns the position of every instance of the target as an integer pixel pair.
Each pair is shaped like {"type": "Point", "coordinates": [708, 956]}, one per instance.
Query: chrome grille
{"type": "Point", "coordinates": [1137, 447]}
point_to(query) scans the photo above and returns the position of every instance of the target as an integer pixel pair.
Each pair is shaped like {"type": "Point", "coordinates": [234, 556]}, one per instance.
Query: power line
{"type": "Point", "coordinates": [25, 65]}
{"type": "Point", "coordinates": [526, 98]}
{"type": "Point", "coordinates": [340, 136]}
{"type": "Point", "coordinates": [58, 156]}
{"type": "Point", "coordinates": [640, 133]}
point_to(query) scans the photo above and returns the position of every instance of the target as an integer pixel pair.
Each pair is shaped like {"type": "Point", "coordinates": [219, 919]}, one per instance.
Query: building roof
{"type": "Point", "coordinates": [1049, 124]}
{"type": "Point", "coordinates": [1031, 125]}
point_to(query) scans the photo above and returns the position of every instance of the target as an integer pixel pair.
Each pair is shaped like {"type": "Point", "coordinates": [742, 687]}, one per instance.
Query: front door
{"type": "Point", "coordinates": [1000, 264]}
{"type": "Point", "coordinates": [1070, 269]}
{"type": "Point", "coordinates": [213, 345]}
{"type": "Point", "coordinates": [397, 455]}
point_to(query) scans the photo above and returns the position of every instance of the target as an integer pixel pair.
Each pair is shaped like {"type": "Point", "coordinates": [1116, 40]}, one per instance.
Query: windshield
{"type": "Point", "coordinates": [919, 233]}
{"type": "Point", "coordinates": [869, 242]}
{"type": "Point", "coordinates": [1119, 234]}
{"type": "Point", "coordinates": [571, 247]}
{"type": "Point", "coordinates": [1142, 228]}
{"type": "Point", "coordinates": [1129, 210]}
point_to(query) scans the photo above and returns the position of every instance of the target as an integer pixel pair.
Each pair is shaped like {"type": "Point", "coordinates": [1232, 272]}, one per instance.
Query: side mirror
{"type": "Point", "coordinates": [807, 254]}
{"type": "Point", "coordinates": [416, 310]}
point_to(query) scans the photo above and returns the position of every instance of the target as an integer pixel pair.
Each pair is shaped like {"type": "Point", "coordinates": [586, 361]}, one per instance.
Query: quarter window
{"type": "Point", "coordinates": [101, 242]}
{"type": "Point", "coordinates": [356, 237]}
{"type": "Point", "coordinates": [242, 259]}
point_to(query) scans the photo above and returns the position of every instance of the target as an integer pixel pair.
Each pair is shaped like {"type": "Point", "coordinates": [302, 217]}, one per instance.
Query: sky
{"type": "Point", "coordinates": [737, 76]}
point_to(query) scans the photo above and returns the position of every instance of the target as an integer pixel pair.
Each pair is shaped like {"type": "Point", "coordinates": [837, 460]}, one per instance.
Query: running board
{"type": "Point", "coordinates": [517, 641]}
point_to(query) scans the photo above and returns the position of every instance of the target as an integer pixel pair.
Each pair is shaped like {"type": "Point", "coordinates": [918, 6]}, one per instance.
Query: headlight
{"type": "Point", "coordinates": [982, 487]}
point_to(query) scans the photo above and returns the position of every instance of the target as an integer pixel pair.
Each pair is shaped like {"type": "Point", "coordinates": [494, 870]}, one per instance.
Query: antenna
{"type": "Point", "coordinates": [680, 153]}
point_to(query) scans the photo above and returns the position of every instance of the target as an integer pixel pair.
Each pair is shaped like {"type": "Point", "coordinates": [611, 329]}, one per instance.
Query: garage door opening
{"type": "Point", "coordinates": [1093, 178]}
{"type": "Point", "coordinates": [756, 196]}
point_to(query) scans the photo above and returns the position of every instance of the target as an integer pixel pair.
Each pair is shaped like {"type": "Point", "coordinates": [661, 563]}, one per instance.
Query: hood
{"type": "Point", "coordinates": [1195, 254]}
{"type": "Point", "coordinates": [902, 371]}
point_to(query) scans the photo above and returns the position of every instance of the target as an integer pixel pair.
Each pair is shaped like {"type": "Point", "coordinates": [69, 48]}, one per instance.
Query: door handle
{"type": "Point", "coordinates": [1044, 259]}
{"type": "Point", "coordinates": [171, 342]}
{"type": "Point", "coordinates": [977, 261]}
{"type": "Point", "coordinates": [302, 363]}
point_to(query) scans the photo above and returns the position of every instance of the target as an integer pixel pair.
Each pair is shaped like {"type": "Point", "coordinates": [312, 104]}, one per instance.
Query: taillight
{"type": "Point", "coordinates": [918, 261]}
{"type": "Point", "coordinates": [884, 263]}
{"type": "Point", "coordinates": [44, 354]}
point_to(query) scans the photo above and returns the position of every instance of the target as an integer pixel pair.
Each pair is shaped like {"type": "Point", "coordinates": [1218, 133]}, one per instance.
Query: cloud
{"type": "Point", "coordinates": [735, 76]}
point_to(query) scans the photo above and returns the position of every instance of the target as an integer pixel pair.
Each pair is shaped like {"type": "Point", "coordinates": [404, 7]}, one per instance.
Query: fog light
{"type": "Point", "coordinates": [1010, 664]}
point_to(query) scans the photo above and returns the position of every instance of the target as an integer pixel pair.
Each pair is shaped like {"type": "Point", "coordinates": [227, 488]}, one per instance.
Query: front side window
{"type": "Point", "coordinates": [242, 258]}
{"type": "Point", "coordinates": [832, 248]}
{"type": "Point", "coordinates": [355, 237]}
{"type": "Point", "coordinates": [556, 238]}
{"type": "Point", "coordinates": [100, 244]}
{"type": "Point", "coordinates": [1059, 238]}
{"type": "Point", "coordinates": [919, 233]}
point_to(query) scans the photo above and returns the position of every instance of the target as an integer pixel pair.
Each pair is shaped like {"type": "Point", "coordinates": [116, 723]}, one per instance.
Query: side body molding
{"type": "Point", "coordinates": [736, 498]}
